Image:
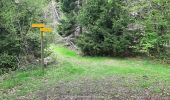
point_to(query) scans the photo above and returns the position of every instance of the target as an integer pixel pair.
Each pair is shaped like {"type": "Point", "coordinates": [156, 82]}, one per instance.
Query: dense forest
{"type": "Point", "coordinates": [118, 27]}
{"type": "Point", "coordinates": [98, 27]}
{"type": "Point", "coordinates": [93, 28]}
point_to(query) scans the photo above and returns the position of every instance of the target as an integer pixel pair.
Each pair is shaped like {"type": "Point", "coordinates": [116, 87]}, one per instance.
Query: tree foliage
{"type": "Point", "coordinates": [68, 25]}
{"type": "Point", "coordinates": [105, 25]}
{"type": "Point", "coordinates": [17, 41]}
{"type": "Point", "coordinates": [156, 39]}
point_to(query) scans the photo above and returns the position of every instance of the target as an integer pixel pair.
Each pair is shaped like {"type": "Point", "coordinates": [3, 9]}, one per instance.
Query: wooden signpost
{"type": "Point", "coordinates": [42, 30]}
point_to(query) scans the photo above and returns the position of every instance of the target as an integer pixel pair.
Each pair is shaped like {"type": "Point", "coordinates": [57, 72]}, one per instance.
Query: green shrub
{"type": "Point", "coordinates": [7, 63]}
{"type": "Point", "coordinates": [105, 24]}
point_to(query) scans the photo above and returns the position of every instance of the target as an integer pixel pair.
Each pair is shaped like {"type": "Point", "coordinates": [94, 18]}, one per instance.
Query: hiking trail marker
{"type": "Point", "coordinates": [38, 25]}
{"type": "Point", "coordinates": [46, 29]}
{"type": "Point", "coordinates": [42, 30]}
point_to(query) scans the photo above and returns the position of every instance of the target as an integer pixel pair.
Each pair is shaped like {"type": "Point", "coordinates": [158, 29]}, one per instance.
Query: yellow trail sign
{"type": "Point", "coordinates": [38, 25]}
{"type": "Point", "coordinates": [46, 29]}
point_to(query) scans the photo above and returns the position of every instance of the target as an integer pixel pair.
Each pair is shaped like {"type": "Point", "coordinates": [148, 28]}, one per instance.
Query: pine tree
{"type": "Point", "coordinates": [105, 24]}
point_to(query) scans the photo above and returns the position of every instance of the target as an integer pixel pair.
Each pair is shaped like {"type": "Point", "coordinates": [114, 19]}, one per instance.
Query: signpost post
{"type": "Point", "coordinates": [42, 49]}
{"type": "Point", "coordinates": [42, 30]}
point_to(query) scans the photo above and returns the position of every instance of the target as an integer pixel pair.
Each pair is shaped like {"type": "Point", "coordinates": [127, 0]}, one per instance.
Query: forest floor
{"type": "Point", "coordinates": [89, 78]}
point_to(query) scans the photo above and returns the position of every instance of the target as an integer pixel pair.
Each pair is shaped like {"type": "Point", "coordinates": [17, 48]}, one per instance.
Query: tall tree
{"type": "Point", "coordinates": [68, 23]}
{"type": "Point", "coordinates": [105, 23]}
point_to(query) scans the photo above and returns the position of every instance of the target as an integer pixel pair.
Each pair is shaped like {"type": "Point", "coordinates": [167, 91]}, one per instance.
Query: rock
{"type": "Point", "coordinates": [48, 60]}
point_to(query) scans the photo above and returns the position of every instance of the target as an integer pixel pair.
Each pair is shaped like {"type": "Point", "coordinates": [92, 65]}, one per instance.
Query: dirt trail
{"type": "Point", "coordinates": [110, 88]}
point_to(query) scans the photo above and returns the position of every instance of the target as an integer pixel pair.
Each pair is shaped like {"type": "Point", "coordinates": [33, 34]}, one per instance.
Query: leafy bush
{"type": "Point", "coordinates": [7, 62]}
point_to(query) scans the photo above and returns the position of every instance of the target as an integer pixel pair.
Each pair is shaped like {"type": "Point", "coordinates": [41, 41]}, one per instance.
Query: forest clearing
{"type": "Point", "coordinates": [84, 50]}
{"type": "Point", "coordinates": [90, 77]}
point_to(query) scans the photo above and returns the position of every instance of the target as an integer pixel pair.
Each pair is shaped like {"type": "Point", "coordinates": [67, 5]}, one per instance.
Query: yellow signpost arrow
{"type": "Point", "coordinates": [46, 29]}
{"type": "Point", "coordinates": [38, 25]}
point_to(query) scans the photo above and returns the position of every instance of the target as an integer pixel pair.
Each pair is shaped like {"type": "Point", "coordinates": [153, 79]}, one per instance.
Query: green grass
{"type": "Point", "coordinates": [73, 67]}
{"type": "Point", "coordinates": [104, 65]}
{"type": "Point", "coordinates": [20, 77]}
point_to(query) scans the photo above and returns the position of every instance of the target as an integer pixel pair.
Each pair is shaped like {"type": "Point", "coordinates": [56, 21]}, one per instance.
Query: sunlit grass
{"type": "Point", "coordinates": [113, 65]}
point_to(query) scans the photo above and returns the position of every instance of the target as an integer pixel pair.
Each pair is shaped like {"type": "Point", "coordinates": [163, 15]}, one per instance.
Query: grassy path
{"type": "Point", "coordinates": [104, 77]}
